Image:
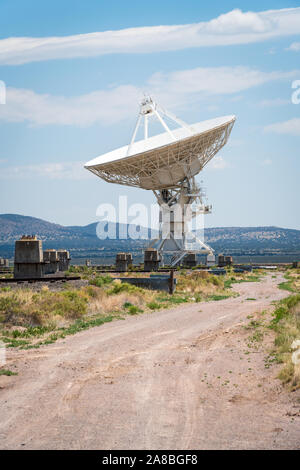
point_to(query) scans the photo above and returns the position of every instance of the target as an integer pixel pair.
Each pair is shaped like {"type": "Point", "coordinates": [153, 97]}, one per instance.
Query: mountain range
{"type": "Point", "coordinates": [83, 240]}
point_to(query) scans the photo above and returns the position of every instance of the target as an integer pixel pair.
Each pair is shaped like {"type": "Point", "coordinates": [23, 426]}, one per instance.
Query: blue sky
{"type": "Point", "coordinates": [75, 97]}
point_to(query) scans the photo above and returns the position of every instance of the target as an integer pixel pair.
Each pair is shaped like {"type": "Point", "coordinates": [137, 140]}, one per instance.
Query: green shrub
{"type": "Point", "coordinates": [91, 291]}
{"type": "Point", "coordinates": [127, 304]}
{"type": "Point", "coordinates": [134, 310]}
{"type": "Point", "coordinates": [123, 287]}
{"type": "Point", "coordinates": [101, 281]}
{"type": "Point", "coordinates": [153, 306]}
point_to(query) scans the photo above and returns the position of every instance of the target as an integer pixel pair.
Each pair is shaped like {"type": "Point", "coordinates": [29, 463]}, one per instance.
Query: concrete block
{"type": "Point", "coordinates": [64, 260]}
{"type": "Point", "coordinates": [28, 250]}
{"type": "Point", "coordinates": [28, 262]}
{"type": "Point", "coordinates": [29, 270]}
{"type": "Point", "coordinates": [121, 262]}
{"type": "Point", "coordinates": [221, 261]}
{"type": "Point", "coordinates": [151, 259]}
{"type": "Point", "coordinates": [4, 263]}
{"type": "Point", "coordinates": [51, 261]}
{"type": "Point", "coordinates": [228, 260]}
{"type": "Point", "coordinates": [210, 260]}
{"type": "Point", "coordinates": [190, 260]}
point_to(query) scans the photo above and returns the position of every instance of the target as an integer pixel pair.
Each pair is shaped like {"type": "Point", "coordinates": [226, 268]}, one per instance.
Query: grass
{"type": "Point", "coordinates": [154, 305]}
{"type": "Point", "coordinates": [286, 286]}
{"type": "Point", "coordinates": [59, 333]}
{"type": "Point", "coordinates": [134, 310]}
{"type": "Point", "coordinates": [292, 283]}
{"type": "Point", "coordinates": [237, 278]}
{"type": "Point", "coordinates": [7, 372]}
{"type": "Point", "coordinates": [219, 297]}
{"type": "Point", "coordinates": [257, 337]}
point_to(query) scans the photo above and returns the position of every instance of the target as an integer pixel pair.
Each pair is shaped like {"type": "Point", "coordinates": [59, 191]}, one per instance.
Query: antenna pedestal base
{"type": "Point", "coordinates": [178, 207]}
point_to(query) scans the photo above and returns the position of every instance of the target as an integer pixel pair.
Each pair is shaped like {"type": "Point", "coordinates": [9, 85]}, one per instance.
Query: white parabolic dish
{"type": "Point", "coordinates": [164, 160]}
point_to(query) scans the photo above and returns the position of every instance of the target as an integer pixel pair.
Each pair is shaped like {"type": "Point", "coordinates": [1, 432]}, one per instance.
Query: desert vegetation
{"type": "Point", "coordinates": [30, 317]}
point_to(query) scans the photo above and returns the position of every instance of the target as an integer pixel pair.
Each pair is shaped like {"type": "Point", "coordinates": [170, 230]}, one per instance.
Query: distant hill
{"type": "Point", "coordinates": [254, 238]}
{"type": "Point", "coordinates": [12, 226]}
{"type": "Point", "coordinates": [80, 239]}
{"type": "Point", "coordinates": [83, 239]}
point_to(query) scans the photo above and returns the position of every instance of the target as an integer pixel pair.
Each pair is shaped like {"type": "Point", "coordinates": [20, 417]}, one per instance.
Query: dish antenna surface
{"type": "Point", "coordinates": [167, 164]}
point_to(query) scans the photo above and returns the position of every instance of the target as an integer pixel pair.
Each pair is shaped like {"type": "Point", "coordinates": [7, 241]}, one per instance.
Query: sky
{"type": "Point", "coordinates": [73, 74]}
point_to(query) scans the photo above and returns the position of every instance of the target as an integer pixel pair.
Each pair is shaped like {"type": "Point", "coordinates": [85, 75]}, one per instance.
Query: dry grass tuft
{"type": "Point", "coordinates": [201, 283]}
{"type": "Point", "coordinates": [24, 307]}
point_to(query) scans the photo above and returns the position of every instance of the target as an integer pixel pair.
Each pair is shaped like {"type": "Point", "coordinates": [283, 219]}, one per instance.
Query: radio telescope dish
{"type": "Point", "coordinates": [167, 164]}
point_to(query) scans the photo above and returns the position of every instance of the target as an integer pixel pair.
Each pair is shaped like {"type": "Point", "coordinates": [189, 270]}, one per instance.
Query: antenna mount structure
{"type": "Point", "coordinates": [178, 205]}
{"type": "Point", "coordinates": [167, 164]}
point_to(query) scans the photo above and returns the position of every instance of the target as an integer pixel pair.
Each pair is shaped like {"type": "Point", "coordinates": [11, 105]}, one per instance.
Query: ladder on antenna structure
{"type": "Point", "coordinates": [175, 260]}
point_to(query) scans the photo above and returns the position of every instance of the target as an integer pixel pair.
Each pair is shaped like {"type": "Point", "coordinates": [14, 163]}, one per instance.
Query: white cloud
{"type": "Point", "coordinates": [173, 90]}
{"type": "Point", "coordinates": [273, 103]}
{"type": "Point", "coordinates": [69, 171]}
{"type": "Point", "coordinates": [295, 46]}
{"type": "Point", "coordinates": [106, 106]}
{"type": "Point", "coordinates": [291, 127]}
{"type": "Point", "coordinates": [234, 27]}
{"type": "Point", "coordinates": [217, 163]}
{"type": "Point", "coordinates": [234, 143]}
{"type": "Point", "coordinates": [266, 162]}
{"type": "Point", "coordinates": [213, 80]}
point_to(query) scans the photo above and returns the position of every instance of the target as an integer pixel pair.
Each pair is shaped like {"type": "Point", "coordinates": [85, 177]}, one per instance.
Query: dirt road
{"type": "Point", "coordinates": [176, 379]}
